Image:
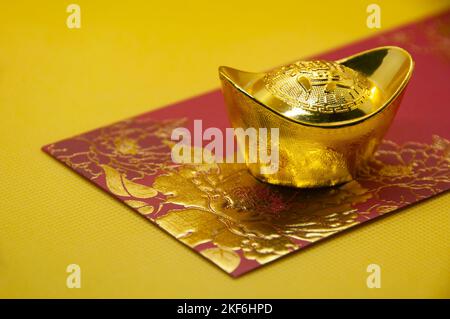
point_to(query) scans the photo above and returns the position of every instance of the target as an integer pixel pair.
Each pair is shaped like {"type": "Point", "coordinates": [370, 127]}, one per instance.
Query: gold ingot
{"type": "Point", "coordinates": [331, 115]}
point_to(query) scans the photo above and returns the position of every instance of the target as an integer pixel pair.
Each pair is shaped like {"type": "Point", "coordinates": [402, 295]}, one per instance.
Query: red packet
{"type": "Point", "coordinates": [239, 223]}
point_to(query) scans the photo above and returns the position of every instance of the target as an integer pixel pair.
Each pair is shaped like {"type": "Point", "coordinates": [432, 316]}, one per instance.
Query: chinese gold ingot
{"type": "Point", "coordinates": [331, 115]}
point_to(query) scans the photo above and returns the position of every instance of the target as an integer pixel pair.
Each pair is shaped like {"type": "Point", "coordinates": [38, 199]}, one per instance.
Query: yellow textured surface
{"type": "Point", "coordinates": [130, 57]}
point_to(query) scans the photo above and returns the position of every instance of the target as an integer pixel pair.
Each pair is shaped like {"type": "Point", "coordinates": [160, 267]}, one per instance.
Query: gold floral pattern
{"type": "Point", "coordinates": [135, 147]}
{"type": "Point", "coordinates": [227, 206]}
{"type": "Point", "coordinates": [401, 175]}
{"type": "Point", "coordinates": [133, 193]}
{"type": "Point", "coordinates": [431, 37]}
{"type": "Point", "coordinates": [227, 215]}
{"type": "Point", "coordinates": [224, 205]}
{"type": "Point", "coordinates": [228, 260]}
{"type": "Point", "coordinates": [119, 185]}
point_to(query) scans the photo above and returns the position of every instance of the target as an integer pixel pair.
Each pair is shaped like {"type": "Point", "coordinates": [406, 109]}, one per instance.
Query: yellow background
{"type": "Point", "coordinates": [130, 57]}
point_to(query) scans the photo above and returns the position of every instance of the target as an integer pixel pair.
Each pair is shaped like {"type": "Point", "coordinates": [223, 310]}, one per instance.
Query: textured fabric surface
{"type": "Point", "coordinates": [56, 82]}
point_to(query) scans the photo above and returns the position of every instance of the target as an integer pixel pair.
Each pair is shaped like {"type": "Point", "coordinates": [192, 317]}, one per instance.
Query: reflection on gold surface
{"type": "Point", "coordinates": [331, 115]}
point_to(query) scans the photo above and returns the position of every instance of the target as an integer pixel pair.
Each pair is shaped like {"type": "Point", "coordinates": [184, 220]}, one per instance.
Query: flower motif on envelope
{"type": "Point", "coordinates": [403, 174]}
{"type": "Point", "coordinates": [227, 215]}
{"type": "Point", "coordinates": [225, 205]}
{"type": "Point", "coordinates": [133, 147]}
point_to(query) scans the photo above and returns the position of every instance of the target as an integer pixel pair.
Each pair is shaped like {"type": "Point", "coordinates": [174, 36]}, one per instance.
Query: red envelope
{"type": "Point", "coordinates": [239, 223]}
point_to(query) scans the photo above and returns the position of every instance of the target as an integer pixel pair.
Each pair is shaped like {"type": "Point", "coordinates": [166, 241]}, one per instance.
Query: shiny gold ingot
{"type": "Point", "coordinates": [331, 115]}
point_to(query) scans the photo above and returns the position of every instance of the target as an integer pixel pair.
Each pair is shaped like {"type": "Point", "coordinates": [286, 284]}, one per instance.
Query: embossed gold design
{"type": "Point", "coordinates": [435, 32]}
{"type": "Point", "coordinates": [438, 34]}
{"type": "Point", "coordinates": [331, 115]}
{"type": "Point", "coordinates": [400, 175]}
{"type": "Point", "coordinates": [224, 213]}
{"type": "Point", "coordinates": [135, 148]}
{"type": "Point", "coordinates": [225, 205]}
{"type": "Point", "coordinates": [119, 185]}
{"type": "Point", "coordinates": [228, 260]}
{"type": "Point", "coordinates": [319, 86]}
{"type": "Point", "coordinates": [126, 146]}
{"type": "Point", "coordinates": [142, 207]}
{"type": "Point", "coordinates": [222, 204]}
